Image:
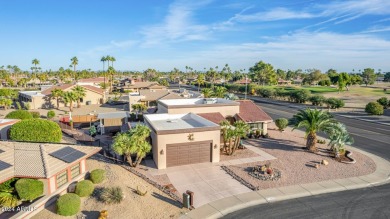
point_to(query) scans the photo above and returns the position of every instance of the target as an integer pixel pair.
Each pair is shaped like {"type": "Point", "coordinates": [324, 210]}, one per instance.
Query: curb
{"type": "Point", "coordinates": [366, 120]}
{"type": "Point", "coordinates": [219, 208]}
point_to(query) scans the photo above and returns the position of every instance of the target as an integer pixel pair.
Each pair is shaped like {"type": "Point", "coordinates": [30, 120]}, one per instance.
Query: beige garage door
{"type": "Point", "coordinates": [188, 153]}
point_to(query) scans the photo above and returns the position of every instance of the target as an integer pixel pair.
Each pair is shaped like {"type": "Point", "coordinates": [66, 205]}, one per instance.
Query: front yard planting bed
{"type": "Point", "coordinates": [297, 165]}
{"type": "Point", "coordinates": [239, 154]}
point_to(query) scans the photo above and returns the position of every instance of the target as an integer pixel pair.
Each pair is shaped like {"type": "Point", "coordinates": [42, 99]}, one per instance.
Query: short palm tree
{"type": "Point", "coordinates": [313, 121]}
{"type": "Point", "coordinates": [207, 92]}
{"type": "Point", "coordinates": [240, 131]}
{"type": "Point", "coordinates": [138, 108]}
{"type": "Point", "coordinates": [57, 93]}
{"type": "Point", "coordinates": [142, 150]}
{"type": "Point", "coordinates": [200, 80]}
{"type": "Point", "coordinates": [220, 91]}
{"type": "Point", "coordinates": [80, 93]}
{"type": "Point", "coordinates": [70, 97]}
{"type": "Point", "coordinates": [124, 145]}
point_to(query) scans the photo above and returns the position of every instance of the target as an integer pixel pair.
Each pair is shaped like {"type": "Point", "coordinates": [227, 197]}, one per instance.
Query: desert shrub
{"type": "Point", "coordinates": [36, 130]}
{"type": "Point", "coordinates": [50, 114]}
{"type": "Point", "coordinates": [35, 115]}
{"type": "Point", "coordinates": [384, 102]}
{"type": "Point", "coordinates": [281, 123]}
{"type": "Point", "coordinates": [68, 204]}
{"type": "Point", "coordinates": [300, 96]}
{"type": "Point", "coordinates": [317, 100]}
{"type": "Point", "coordinates": [29, 189]}
{"type": "Point", "coordinates": [334, 103]}
{"type": "Point", "coordinates": [265, 92]}
{"type": "Point", "coordinates": [9, 185]}
{"type": "Point", "coordinates": [112, 195]}
{"type": "Point", "coordinates": [8, 199]}
{"type": "Point", "coordinates": [84, 188]}
{"type": "Point", "coordinates": [19, 114]}
{"type": "Point", "coordinates": [374, 108]}
{"type": "Point", "coordinates": [27, 105]}
{"type": "Point", "coordinates": [98, 176]}
{"type": "Point", "coordinates": [18, 105]}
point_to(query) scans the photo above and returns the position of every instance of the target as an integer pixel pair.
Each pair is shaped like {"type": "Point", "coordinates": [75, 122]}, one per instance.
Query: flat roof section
{"type": "Point", "coordinates": [197, 102]}
{"type": "Point", "coordinates": [178, 123]}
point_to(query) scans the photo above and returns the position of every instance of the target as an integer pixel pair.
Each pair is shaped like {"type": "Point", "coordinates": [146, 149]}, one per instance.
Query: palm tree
{"type": "Point", "coordinates": [57, 93]}
{"type": "Point", "coordinates": [70, 97]}
{"type": "Point", "coordinates": [227, 133]}
{"type": "Point", "coordinates": [35, 62]}
{"type": "Point", "coordinates": [139, 135]}
{"type": "Point", "coordinates": [138, 108]}
{"type": "Point", "coordinates": [75, 62]}
{"type": "Point", "coordinates": [240, 131]}
{"type": "Point", "coordinates": [124, 145]}
{"type": "Point", "coordinates": [207, 92]}
{"type": "Point", "coordinates": [313, 121]}
{"type": "Point", "coordinates": [80, 93]}
{"type": "Point", "coordinates": [108, 59]}
{"type": "Point", "coordinates": [111, 72]}
{"type": "Point", "coordinates": [219, 91]}
{"type": "Point", "coordinates": [112, 59]}
{"type": "Point", "coordinates": [200, 80]}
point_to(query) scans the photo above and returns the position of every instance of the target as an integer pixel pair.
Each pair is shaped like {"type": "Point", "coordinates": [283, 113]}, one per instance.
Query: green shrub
{"type": "Point", "coordinates": [334, 103]}
{"type": "Point", "coordinates": [18, 105]}
{"type": "Point", "coordinates": [9, 185]}
{"type": "Point", "coordinates": [19, 114]}
{"type": "Point", "coordinates": [265, 92]}
{"type": "Point", "coordinates": [68, 204]}
{"type": "Point", "coordinates": [35, 115]}
{"type": "Point", "coordinates": [317, 100]}
{"type": "Point", "coordinates": [113, 195]}
{"type": "Point", "coordinates": [384, 102]}
{"type": "Point", "coordinates": [299, 96]}
{"type": "Point", "coordinates": [281, 123]}
{"type": "Point", "coordinates": [8, 199]}
{"type": "Point", "coordinates": [84, 188]}
{"type": "Point", "coordinates": [36, 130]}
{"type": "Point", "coordinates": [98, 176]}
{"type": "Point", "coordinates": [374, 108]}
{"type": "Point", "coordinates": [29, 189]}
{"type": "Point", "coordinates": [50, 114]}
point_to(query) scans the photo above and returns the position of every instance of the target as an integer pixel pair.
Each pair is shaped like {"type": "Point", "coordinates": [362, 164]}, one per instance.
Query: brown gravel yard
{"type": "Point", "coordinates": [297, 165]}
{"type": "Point", "coordinates": [155, 204]}
{"type": "Point", "coordinates": [239, 154]}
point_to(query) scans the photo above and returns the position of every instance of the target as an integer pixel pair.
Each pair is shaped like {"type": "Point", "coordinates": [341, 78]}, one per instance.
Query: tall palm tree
{"type": "Point", "coordinates": [35, 62]}
{"type": "Point", "coordinates": [111, 72]}
{"type": "Point", "coordinates": [80, 93]}
{"type": "Point", "coordinates": [70, 97]}
{"type": "Point", "coordinates": [200, 80]}
{"type": "Point", "coordinates": [112, 59]}
{"type": "Point", "coordinates": [75, 62]}
{"type": "Point", "coordinates": [313, 121]}
{"type": "Point", "coordinates": [57, 93]}
{"type": "Point", "coordinates": [207, 92]}
{"type": "Point", "coordinates": [108, 59]}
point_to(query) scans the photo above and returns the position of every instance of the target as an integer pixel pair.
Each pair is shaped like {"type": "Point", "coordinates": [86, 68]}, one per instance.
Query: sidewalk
{"type": "Point", "coordinates": [230, 204]}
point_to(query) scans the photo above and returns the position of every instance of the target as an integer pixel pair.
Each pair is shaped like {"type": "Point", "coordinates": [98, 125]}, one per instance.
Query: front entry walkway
{"type": "Point", "coordinates": [207, 180]}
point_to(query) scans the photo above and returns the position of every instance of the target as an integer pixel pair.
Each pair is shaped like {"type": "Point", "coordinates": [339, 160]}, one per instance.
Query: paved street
{"type": "Point", "coordinates": [362, 203]}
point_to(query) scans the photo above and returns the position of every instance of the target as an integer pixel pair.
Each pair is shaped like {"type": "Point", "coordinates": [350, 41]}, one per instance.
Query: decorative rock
{"type": "Point", "coordinates": [317, 166]}
{"type": "Point", "coordinates": [324, 162]}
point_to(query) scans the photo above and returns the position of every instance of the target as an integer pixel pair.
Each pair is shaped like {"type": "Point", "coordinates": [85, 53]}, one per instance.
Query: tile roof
{"type": "Point", "coordinates": [33, 159]}
{"type": "Point", "coordinates": [153, 95]}
{"type": "Point", "coordinates": [93, 88]}
{"type": "Point", "coordinates": [171, 96]}
{"type": "Point", "coordinates": [250, 112]}
{"type": "Point", "coordinates": [61, 87]}
{"type": "Point", "coordinates": [212, 117]}
{"type": "Point", "coordinates": [145, 84]}
{"type": "Point", "coordinates": [92, 80]}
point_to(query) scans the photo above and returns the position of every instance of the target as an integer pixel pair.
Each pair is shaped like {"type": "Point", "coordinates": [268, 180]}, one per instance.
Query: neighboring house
{"type": "Point", "coordinates": [284, 82]}
{"type": "Point", "coordinates": [56, 165]}
{"type": "Point", "coordinates": [182, 139]}
{"type": "Point", "coordinates": [180, 134]}
{"type": "Point", "coordinates": [42, 99]}
{"type": "Point", "coordinates": [150, 97]}
{"type": "Point", "coordinates": [137, 86]}
{"type": "Point", "coordinates": [243, 81]}
{"type": "Point", "coordinates": [5, 125]}
{"type": "Point", "coordinates": [92, 81]}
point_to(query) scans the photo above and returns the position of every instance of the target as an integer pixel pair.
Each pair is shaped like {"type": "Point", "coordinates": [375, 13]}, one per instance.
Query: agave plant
{"type": "Point", "coordinates": [339, 138]}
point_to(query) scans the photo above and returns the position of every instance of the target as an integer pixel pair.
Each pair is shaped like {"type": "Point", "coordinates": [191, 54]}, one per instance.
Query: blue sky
{"type": "Point", "coordinates": [163, 34]}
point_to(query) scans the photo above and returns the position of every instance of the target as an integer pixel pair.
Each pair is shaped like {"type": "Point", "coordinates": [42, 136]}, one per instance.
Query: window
{"type": "Point", "coordinates": [62, 178]}
{"type": "Point", "coordinates": [256, 125]}
{"type": "Point", "coordinates": [81, 100]}
{"type": "Point", "coordinates": [75, 170]}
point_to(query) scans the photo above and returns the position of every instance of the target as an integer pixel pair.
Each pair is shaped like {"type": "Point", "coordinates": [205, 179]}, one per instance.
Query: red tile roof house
{"type": "Point", "coordinates": [187, 131]}
{"type": "Point", "coordinates": [42, 99]}
{"type": "Point", "coordinates": [56, 165]}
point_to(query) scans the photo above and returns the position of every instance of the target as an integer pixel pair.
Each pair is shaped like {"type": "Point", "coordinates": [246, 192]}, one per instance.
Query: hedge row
{"type": "Point", "coordinates": [36, 130]}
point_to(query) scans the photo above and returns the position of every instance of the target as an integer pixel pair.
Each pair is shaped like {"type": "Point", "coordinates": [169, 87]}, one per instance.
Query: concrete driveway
{"type": "Point", "coordinates": [208, 182]}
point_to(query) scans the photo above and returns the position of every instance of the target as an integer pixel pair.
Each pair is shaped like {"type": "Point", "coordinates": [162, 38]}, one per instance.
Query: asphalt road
{"type": "Point", "coordinates": [362, 203]}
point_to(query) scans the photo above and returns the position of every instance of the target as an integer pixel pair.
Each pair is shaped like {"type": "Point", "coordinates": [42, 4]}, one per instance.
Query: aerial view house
{"type": "Point", "coordinates": [186, 131]}
{"type": "Point", "coordinates": [56, 165]}
{"type": "Point", "coordinates": [137, 86]}
{"type": "Point", "coordinates": [179, 139]}
{"type": "Point", "coordinates": [150, 97]}
{"type": "Point", "coordinates": [42, 99]}
{"type": "Point", "coordinates": [113, 121]}
{"type": "Point", "coordinates": [92, 81]}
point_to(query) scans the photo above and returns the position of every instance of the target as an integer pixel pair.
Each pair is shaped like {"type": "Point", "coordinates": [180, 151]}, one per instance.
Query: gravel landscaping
{"type": "Point", "coordinates": [239, 154]}
{"type": "Point", "coordinates": [155, 204]}
{"type": "Point", "coordinates": [296, 164]}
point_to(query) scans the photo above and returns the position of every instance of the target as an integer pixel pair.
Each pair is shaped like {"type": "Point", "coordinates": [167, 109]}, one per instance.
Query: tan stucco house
{"type": "Point", "coordinates": [42, 99]}
{"type": "Point", "coordinates": [187, 131]}
{"type": "Point", "coordinates": [56, 165]}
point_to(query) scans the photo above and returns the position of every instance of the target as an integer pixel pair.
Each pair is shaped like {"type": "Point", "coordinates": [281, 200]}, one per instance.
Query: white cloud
{"type": "Point", "coordinates": [272, 15]}
{"type": "Point", "coordinates": [178, 25]}
{"type": "Point", "coordinates": [376, 29]}
{"type": "Point", "coordinates": [111, 47]}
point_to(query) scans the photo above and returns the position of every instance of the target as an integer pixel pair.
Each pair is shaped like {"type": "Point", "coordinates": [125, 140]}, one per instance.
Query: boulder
{"type": "Point", "coordinates": [324, 162]}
